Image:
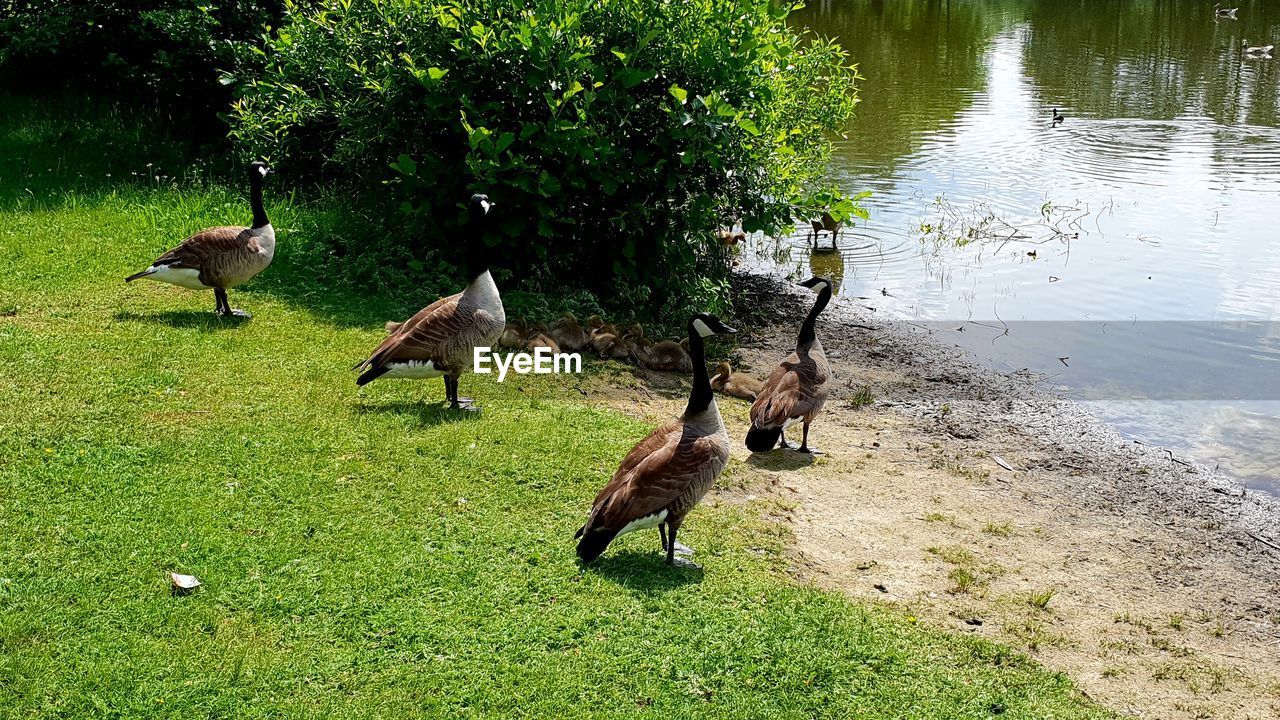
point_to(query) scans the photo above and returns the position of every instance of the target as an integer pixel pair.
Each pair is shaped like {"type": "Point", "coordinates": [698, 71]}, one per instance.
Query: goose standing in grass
{"type": "Point", "coordinates": [739, 385]}
{"type": "Point", "coordinates": [667, 473]}
{"type": "Point", "coordinates": [1262, 51]}
{"type": "Point", "coordinates": [798, 388]}
{"type": "Point", "coordinates": [440, 340]}
{"type": "Point", "coordinates": [220, 258]}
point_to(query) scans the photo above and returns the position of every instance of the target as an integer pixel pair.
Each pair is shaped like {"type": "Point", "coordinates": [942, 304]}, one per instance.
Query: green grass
{"type": "Point", "coordinates": [364, 553]}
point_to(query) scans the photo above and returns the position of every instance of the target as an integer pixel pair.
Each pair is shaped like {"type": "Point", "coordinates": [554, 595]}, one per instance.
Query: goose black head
{"type": "Point", "coordinates": [817, 284]}
{"type": "Point", "coordinates": [479, 206]}
{"type": "Point", "coordinates": [259, 168]}
{"type": "Point", "coordinates": [474, 240]}
{"type": "Point", "coordinates": [707, 325]}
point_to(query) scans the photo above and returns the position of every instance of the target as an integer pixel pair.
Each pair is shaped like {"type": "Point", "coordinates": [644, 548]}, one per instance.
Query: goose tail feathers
{"type": "Point", "coordinates": [144, 273]}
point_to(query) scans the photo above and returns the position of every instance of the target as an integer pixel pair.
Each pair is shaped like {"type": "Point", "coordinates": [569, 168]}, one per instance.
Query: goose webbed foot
{"type": "Point", "coordinates": [810, 451]}
{"type": "Point", "coordinates": [237, 313]}
{"type": "Point", "coordinates": [782, 441]}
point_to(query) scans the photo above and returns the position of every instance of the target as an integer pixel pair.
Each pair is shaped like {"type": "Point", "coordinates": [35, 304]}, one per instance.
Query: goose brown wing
{"type": "Point", "coordinates": [657, 472]}
{"type": "Point", "coordinates": [422, 336]}
{"type": "Point", "coordinates": [213, 252]}
{"type": "Point", "coordinates": [795, 388]}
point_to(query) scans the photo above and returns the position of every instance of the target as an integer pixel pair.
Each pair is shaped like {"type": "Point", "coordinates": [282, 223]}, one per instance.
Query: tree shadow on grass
{"type": "Point", "coordinates": [426, 414]}
{"type": "Point", "coordinates": [780, 460]}
{"type": "Point", "coordinates": [644, 573]}
{"type": "Point", "coordinates": [197, 319]}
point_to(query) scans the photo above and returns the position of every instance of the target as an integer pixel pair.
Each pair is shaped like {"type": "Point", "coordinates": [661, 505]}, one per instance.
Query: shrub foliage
{"type": "Point", "coordinates": [615, 135]}
{"type": "Point", "coordinates": [173, 50]}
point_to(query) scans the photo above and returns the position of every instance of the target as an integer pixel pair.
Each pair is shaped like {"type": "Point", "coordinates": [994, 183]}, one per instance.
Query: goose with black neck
{"type": "Point", "coordinates": [440, 340]}
{"type": "Point", "coordinates": [221, 258]}
{"type": "Point", "coordinates": [668, 472]}
{"type": "Point", "coordinates": [797, 388]}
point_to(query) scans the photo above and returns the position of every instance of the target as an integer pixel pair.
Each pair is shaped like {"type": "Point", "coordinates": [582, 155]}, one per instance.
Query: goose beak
{"type": "Point", "coordinates": [728, 330]}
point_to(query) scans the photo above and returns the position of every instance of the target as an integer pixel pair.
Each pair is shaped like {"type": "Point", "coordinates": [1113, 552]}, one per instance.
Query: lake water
{"type": "Point", "coordinates": [1131, 253]}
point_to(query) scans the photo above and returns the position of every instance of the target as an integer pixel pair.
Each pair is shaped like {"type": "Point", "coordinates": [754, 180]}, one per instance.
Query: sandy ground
{"type": "Point", "coordinates": [978, 503]}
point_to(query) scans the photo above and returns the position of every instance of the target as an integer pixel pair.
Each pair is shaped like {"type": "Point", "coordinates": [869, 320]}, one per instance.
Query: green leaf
{"type": "Point", "coordinates": [436, 73]}
{"type": "Point", "coordinates": [405, 165]}
{"type": "Point", "coordinates": [679, 93]}
{"type": "Point", "coordinates": [632, 77]}
{"type": "Point", "coordinates": [749, 125]}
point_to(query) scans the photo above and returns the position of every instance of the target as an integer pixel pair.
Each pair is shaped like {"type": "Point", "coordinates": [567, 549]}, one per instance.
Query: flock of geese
{"type": "Point", "coordinates": [663, 477]}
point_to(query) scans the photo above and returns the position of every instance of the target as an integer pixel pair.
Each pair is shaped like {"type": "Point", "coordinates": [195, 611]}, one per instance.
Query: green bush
{"type": "Point", "coordinates": [615, 135]}
{"type": "Point", "coordinates": [172, 50]}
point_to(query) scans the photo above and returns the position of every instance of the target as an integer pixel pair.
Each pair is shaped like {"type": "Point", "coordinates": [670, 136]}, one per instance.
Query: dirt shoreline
{"type": "Point", "coordinates": [976, 501]}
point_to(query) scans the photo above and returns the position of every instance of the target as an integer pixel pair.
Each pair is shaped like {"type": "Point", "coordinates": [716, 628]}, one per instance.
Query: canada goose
{"type": "Point", "coordinates": [797, 388]}
{"type": "Point", "coordinates": [665, 355]}
{"type": "Point", "coordinates": [221, 257]}
{"type": "Point", "coordinates": [440, 340]}
{"type": "Point", "coordinates": [539, 336]}
{"type": "Point", "coordinates": [513, 335]}
{"type": "Point", "coordinates": [739, 385]}
{"type": "Point", "coordinates": [602, 343]}
{"type": "Point", "coordinates": [622, 348]}
{"type": "Point", "coordinates": [667, 473]}
{"type": "Point", "coordinates": [826, 224]}
{"type": "Point", "coordinates": [730, 238]}
{"type": "Point", "coordinates": [669, 356]}
{"type": "Point", "coordinates": [594, 323]}
{"type": "Point", "coordinates": [1262, 51]}
{"type": "Point", "coordinates": [1058, 117]}
{"type": "Point", "coordinates": [568, 333]}
{"type": "Point", "coordinates": [1222, 12]}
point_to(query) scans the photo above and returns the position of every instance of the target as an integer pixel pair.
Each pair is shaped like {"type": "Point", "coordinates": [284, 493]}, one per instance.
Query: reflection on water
{"type": "Point", "coordinates": [1162, 190]}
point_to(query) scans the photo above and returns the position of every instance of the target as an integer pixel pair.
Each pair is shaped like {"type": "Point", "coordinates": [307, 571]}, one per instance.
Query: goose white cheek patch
{"type": "Point", "coordinates": [542, 361]}
{"type": "Point", "coordinates": [702, 328]}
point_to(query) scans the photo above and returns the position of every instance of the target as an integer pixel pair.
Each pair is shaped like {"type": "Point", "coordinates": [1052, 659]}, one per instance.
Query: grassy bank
{"type": "Point", "coordinates": [364, 553]}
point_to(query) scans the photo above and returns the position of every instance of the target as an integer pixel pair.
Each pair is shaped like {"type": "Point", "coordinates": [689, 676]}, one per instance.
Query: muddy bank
{"type": "Point", "coordinates": [978, 502]}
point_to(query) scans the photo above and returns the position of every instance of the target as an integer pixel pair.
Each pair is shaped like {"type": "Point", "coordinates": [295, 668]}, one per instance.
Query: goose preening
{"type": "Point", "coordinates": [797, 389]}
{"type": "Point", "coordinates": [1058, 118]}
{"type": "Point", "coordinates": [440, 340]}
{"type": "Point", "coordinates": [220, 258]}
{"type": "Point", "coordinates": [1261, 51]}
{"type": "Point", "coordinates": [826, 223]}
{"type": "Point", "coordinates": [1222, 12]}
{"type": "Point", "coordinates": [667, 473]}
{"type": "Point", "coordinates": [735, 384]}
